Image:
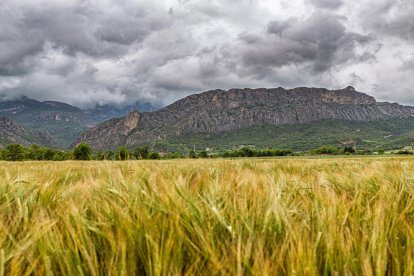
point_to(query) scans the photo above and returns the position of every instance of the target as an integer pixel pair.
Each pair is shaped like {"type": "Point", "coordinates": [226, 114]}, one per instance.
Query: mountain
{"type": "Point", "coordinates": [218, 112]}
{"type": "Point", "coordinates": [64, 122]}
{"type": "Point", "coordinates": [11, 133]}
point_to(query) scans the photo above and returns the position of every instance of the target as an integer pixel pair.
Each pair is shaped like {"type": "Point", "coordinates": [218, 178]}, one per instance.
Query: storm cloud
{"type": "Point", "coordinates": [88, 51]}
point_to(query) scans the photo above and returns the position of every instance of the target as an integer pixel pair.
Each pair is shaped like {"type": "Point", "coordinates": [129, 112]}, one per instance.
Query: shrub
{"type": "Point", "coordinates": [122, 154]}
{"type": "Point", "coordinates": [82, 151]}
{"type": "Point", "coordinates": [15, 152]}
{"type": "Point", "coordinates": [154, 155]}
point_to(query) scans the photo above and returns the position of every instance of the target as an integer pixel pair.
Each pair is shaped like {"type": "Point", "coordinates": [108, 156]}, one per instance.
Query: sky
{"type": "Point", "coordinates": [87, 52]}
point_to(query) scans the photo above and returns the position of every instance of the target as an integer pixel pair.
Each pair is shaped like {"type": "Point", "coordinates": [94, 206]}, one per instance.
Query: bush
{"type": "Point", "coordinates": [141, 153]}
{"type": "Point", "coordinates": [203, 154]}
{"type": "Point", "coordinates": [122, 154]}
{"type": "Point", "coordinates": [82, 151]}
{"type": "Point", "coordinates": [404, 152]}
{"type": "Point", "coordinates": [192, 154]}
{"type": "Point", "coordinates": [326, 150]}
{"type": "Point", "coordinates": [154, 155]}
{"type": "Point", "coordinates": [15, 152]}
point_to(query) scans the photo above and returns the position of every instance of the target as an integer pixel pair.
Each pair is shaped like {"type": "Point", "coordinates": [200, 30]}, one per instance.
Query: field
{"type": "Point", "coordinates": [337, 216]}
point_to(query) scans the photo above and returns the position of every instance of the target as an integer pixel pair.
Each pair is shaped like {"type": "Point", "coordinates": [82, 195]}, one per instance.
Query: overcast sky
{"type": "Point", "coordinates": [117, 51]}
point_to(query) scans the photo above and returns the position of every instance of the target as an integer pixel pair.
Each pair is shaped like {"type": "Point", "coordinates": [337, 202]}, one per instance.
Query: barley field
{"type": "Point", "coordinates": [340, 216]}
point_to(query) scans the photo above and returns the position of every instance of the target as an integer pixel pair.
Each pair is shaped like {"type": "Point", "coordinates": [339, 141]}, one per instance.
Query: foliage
{"type": "Point", "coordinates": [405, 152]}
{"type": "Point", "coordinates": [141, 153]}
{"type": "Point", "coordinates": [327, 150]}
{"type": "Point", "coordinates": [203, 154]}
{"type": "Point", "coordinates": [154, 155]}
{"type": "Point", "coordinates": [15, 152]}
{"type": "Point", "coordinates": [251, 152]}
{"type": "Point", "coordinates": [192, 154]}
{"type": "Point", "coordinates": [389, 134]}
{"type": "Point", "coordinates": [83, 151]}
{"type": "Point", "coordinates": [100, 155]}
{"type": "Point", "coordinates": [122, 154]}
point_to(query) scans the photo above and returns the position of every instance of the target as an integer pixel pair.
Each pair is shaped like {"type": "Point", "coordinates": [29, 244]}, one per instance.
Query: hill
{"type": "Point", "coordinates": [64, 122]}
{"type": "Point", "coordinates": [11, 133]}
{"type": "Point", "coordinates": [240, 111]}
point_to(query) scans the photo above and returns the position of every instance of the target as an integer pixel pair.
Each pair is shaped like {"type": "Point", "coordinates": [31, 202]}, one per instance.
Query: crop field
{"type": "Point", "coordinates": [294, 216]}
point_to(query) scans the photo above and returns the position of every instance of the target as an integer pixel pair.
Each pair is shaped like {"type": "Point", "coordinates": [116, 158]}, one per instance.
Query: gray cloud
{"type": "Point", "coordinates": [89, 51]}
{"type": "Point", "coordinates": [327, 4]}
{"type": "Point", "coordinates": [319, 42]}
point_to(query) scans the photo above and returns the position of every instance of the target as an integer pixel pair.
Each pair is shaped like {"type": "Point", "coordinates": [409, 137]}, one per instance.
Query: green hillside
{"type": "Point", "coordinates": [388, 134]}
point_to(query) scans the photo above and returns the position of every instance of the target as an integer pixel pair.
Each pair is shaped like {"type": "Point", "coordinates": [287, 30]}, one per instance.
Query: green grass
{"type": "Point", "coordinates": [338, 216]}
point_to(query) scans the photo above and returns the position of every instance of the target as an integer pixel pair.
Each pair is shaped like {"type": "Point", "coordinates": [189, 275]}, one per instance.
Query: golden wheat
{"type": "Point", "coordinates": [249, 216]}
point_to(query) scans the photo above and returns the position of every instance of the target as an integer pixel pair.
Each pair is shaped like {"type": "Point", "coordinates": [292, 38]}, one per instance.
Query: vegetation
{"type": "Point", "coordinates": [350, 216]}
{"type": "Point", "coordinates": [251, 152]}
{"type": "Point", "coordinates": [373, 136]}
{"type": "Point", "coordinates": [83, 152]}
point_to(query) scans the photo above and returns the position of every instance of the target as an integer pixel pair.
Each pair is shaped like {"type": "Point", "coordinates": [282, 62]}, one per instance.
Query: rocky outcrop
{"type": "Point", "coordinates": [219, 110]}
{"type": "Point", "coordinates": [13, 133]}
{"type": "Point", "coordinates": [112, 132]}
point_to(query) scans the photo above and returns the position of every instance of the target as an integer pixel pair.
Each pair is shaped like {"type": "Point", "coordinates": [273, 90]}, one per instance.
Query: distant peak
{"type": "Point", "coordinates": [24, 98]}
{"type": "Point", "coordinates": [350, 88]}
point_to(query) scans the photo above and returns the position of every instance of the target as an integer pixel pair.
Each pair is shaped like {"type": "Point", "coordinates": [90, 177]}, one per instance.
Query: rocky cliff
{"type": "Point", "coordinates": [13, 133]}
{"type": "Point", "coordinates": [218, 110]}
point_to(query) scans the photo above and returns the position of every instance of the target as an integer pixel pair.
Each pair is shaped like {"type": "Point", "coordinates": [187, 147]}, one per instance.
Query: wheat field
{"type": "Point", "coordinates": [340, 216]}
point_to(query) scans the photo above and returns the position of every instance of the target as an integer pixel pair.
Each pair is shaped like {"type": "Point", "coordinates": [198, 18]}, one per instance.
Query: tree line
{"type": "Point", "coordinates": [83, 151]}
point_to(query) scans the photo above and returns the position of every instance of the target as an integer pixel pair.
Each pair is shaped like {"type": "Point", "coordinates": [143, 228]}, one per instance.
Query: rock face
{"type": "Point", "coordinates": [13, 133]}
{"type": "Point", "coordinates": [219, 110]}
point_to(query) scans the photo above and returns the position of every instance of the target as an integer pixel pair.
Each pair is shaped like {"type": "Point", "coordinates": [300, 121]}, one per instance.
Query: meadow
{"type": "Point", "coordinates": [292, 216]}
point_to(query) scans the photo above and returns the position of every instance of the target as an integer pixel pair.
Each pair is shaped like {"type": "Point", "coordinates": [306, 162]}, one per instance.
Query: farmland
{"type": "Point", "coordinates": [244, 216]}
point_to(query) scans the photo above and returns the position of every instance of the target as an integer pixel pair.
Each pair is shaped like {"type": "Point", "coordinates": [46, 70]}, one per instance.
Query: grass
{"type": "Point", "coordinates": [336, 216]}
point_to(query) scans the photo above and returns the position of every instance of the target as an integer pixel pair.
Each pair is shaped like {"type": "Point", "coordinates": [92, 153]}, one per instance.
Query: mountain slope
{"type": "Point", "coordinates": [62, 121]}
{"type": "Point", "coordinates": [220, 111]}
{"type": "Point", "coordinates": [13, 133]}
{"type": "Point", "coordinates": [383, 134]}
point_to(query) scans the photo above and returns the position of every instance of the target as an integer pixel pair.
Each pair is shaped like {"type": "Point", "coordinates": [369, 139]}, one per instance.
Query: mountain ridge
{"type": "Point", "coordinates": [12, 133]}
{"type": "Point", "coordinates": [61, 120]}
{"type": "Point", "coordinates": [219, 110]}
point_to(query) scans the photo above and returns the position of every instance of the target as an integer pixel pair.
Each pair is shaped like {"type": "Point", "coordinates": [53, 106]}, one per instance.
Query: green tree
{"type": "Point", "coordinates": [122, 154]}
{"type": "Point", "coordinates": [192, 154]}
{"type": "Point", "coordinates": [15, 152]}
{"type": "Point", "coordinates": [203, 154]}
{"type": "Point", "coordinates": [100, 155]}
{"type": "Point", "coordinates": [82, 151]}
{"type": "Point", "coordinates": [50, 154]}
{"type": "Point", "coordinates": [141, 153]}
{"type": "Point", "coordinates": [110, 155]}
{"type": "Point", "coordinates": [36, 152]}
{"type": "Point", "coordinates": [154, 155]}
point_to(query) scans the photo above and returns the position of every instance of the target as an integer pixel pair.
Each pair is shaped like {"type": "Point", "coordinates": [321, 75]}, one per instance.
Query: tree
{"type": "Point", "coordinates": [82, 151]}
{"type": "Point", "coordinates": [349, 150]}
{"type": "Point", "coordinates": [100, 155]}
{"type": "Point", "coordinates": [203, 154]}
{"type": "Point", "coordinates": [110, 155]}
{"type": "Point", "coordinates": [192, 154]}
{"type": "Point", "coordinates": [154, 155]}
{"type": "Point", "coordinates": [50, 154]}
{"type": "Point", "coordinates": [141, 153]}
{"type": "Point", "coordinates": [122, 154]}
{"type": "Point", "coordinates": [36, 152]}
{"type": "Point", "coordinates": [15, 152]}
